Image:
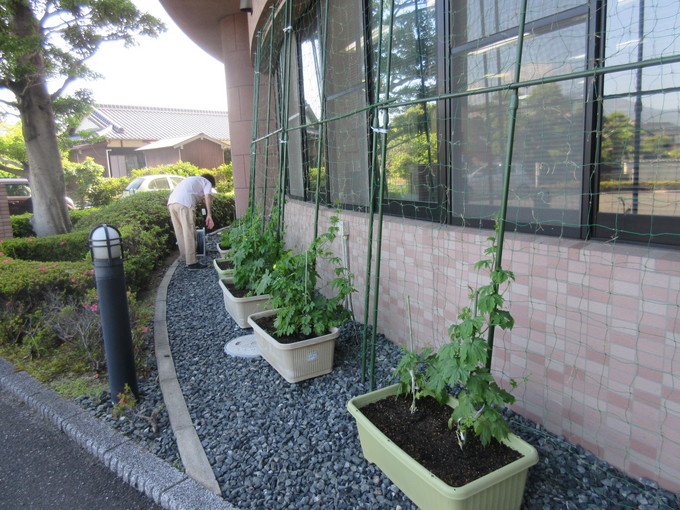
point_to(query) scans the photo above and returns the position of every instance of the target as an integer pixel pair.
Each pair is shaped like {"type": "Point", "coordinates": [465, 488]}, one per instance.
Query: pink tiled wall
{"type": "Point", "coordinates": [597, 326]}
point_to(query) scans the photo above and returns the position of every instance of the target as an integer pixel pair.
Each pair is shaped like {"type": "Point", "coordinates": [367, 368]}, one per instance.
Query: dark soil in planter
{"type": "Point", "coordinates": [425, 436]}
{"type": "Point", "coordinates": [224, 264]}
{"type": "Point", "coordinates": [237, 293]}
{"type": "Point", "coordinates": [267, 323]}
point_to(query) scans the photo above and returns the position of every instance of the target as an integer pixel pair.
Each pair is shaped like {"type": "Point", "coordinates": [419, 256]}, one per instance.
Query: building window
{"type": "Point", "coordinates": [347, 137]}
{"type": "Point", "coordinates": [345, 90]}
{"type": "Point", "coordinates": [639, 164]}
{"type": "Point", "coordinates": [547, 158]}
{"type": "Point", "coordinates": [595, 153]}
{"type": "Point", "coordinates": [414, 185]}
{"type": "Point", "coordinates": [593, 156]}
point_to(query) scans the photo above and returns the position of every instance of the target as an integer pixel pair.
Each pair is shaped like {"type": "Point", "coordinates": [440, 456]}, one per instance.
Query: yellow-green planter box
{"type": "Point", "coordinates": [222, 273]}
{"type": "Point", "coordinates": [502, 489]}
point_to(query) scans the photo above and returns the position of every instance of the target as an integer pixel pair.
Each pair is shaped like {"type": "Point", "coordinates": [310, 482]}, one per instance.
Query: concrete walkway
{"type": "Point", "coordinates": [170, 488]}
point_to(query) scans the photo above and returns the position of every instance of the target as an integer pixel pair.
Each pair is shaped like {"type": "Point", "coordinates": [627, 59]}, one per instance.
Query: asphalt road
{"type": "Point", "coordinates": [42, 468]}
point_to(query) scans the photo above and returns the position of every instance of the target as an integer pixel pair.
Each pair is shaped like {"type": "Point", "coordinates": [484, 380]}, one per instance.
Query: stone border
{"type": "Point", "coordinates": [190, 448]}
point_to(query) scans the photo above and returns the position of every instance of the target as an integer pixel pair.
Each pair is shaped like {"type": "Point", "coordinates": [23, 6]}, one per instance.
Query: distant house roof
{"type": "Point", "coordinates": [151, 123]}
{"type": "Point", "coordinates": [179, 141]}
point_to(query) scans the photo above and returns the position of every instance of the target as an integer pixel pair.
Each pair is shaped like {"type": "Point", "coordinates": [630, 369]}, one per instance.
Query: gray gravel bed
{"type": "Point", "coordinates": [278, 445]}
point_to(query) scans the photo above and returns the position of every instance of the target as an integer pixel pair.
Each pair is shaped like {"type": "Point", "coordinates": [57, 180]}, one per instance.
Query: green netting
{"type": "Point", "coordinates": [561, 117]}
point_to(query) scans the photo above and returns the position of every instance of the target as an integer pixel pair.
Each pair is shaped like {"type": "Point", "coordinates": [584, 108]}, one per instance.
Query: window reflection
{"type": "Point", "coordinates": [546, 172]}
{"type": "Point", "coordinates": [411, 155]}
{"type": "Point", "coordinates": [639, 170]}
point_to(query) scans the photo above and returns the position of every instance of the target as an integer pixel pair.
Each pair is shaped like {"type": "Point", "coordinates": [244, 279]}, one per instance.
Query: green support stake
{"type": "Point", "coordinates": [285, 104]}
{"type": "Point", "coordinates": [322, 124]}
{"type": "Point", "coordinates": [254, 120]}
{"type": "Point", "coordinates": [269, 109]}
{"type": "Point", "coordinates": [371, 204]}
{"type": "Point", "coordinates": [512, 121]}
{"type": "Point", "coordinates": [381, 191]}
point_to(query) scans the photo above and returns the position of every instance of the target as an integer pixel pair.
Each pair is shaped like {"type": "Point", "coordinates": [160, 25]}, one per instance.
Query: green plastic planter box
{"type": "Point", "coordinates": [501, 490]}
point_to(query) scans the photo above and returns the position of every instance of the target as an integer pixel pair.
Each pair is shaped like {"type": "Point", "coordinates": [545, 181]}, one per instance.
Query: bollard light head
{"type": "Point", "coordinates": [246, 5]}
{"type": "Point", "coordinates": [106, 243]}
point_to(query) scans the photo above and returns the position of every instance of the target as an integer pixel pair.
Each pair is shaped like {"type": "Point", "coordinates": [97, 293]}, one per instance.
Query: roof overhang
{"type": "Point", "coordinates": [200, 20]}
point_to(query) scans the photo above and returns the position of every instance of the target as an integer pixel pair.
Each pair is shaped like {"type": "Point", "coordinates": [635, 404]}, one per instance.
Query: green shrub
{"type": "Point", "coordinates": [63, 247]}
{"type": "Point", "coordinates": [24, 286]}
{"type": "Point", "coordinates": [148, 210]}
{"type": "Point", "coordinates": [62, 338]}
{"type": "Point", "coordinates": [179, 168]}
{"type": "Point", "coordinates": [80, 178]}
{"type": "Point", "coordinates": [27, 281]}
{"type": "Point", "coordinates": [21, 225]}
{"type": "Point", "coordinates": [143, 250]}
{"type": "Point", "coordinates": [223, 211]}
{"type": "Point", "coordinates": [78, 214]}
{"type": "Point", "coordinates": [144, 224]}
{"type": "Point", "coordinates": [105, 190]}
{"type": "Point", "coordinates": [224, 176]}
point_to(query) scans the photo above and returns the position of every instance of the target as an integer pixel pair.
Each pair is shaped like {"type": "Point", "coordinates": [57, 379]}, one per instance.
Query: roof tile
{"type": "Point", "coordinates": [153, 123]}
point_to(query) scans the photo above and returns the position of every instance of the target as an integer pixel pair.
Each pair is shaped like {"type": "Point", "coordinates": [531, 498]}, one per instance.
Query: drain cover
{"type": "Point", "coordinates": [242, 347]}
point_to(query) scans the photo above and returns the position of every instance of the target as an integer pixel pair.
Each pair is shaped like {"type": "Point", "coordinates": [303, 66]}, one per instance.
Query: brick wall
{"type": "Point", "coordinates": [597, 326]}
{"type": "Point", "coordinates": [5, 224]}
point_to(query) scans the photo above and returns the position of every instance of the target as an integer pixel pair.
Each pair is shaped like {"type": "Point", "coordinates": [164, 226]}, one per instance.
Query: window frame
{"type": "Point", "coordinates": [592, 224]}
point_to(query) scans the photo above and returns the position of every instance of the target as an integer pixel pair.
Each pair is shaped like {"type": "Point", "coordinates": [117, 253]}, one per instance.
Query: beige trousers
{"type": "Point", "coordinates": [184, 223]}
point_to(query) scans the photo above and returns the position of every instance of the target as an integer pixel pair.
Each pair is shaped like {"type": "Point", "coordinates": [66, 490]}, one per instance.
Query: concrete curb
{"type": "Point", "coordinates": [189, 445]}
{"type": "Point", "coordinates": [167, 486]}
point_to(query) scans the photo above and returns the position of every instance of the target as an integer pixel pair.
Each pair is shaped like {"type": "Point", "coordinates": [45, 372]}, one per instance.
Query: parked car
{"type": "Point", "coordinates": [19, 195]}
{"type": "Point", "coordinates": [152, 183]}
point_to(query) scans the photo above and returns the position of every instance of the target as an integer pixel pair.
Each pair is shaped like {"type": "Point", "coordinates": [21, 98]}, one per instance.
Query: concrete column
{"type": "Point", "coordinates": [239, 77]}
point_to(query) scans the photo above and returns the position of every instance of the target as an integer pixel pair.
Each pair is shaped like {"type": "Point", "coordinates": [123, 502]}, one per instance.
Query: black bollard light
{"type": "Point", "coordinates": [106, 246]}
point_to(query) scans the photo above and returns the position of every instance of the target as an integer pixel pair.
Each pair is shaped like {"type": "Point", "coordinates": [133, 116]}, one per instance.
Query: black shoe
{"type": "Point", "coordinates": [196, 266]}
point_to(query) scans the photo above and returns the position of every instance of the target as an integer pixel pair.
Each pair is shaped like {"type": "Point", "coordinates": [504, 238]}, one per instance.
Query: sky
{"type": "Point", "coordinates": [169, 71]}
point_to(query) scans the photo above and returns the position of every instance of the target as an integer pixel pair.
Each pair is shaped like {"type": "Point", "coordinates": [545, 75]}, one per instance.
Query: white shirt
{"type": "Point", "coordinates": [190, 190]}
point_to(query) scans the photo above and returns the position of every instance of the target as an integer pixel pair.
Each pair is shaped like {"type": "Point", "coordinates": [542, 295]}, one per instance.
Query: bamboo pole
{"type": "Point", "coordinates": [381, 191]}
{"type": "Point", "coordinates": [285, 109]}
{"type": "Point", "coordinates": [269, 110]}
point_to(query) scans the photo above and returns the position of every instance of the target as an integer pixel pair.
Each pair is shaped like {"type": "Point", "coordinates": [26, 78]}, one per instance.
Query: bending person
{"type": "Point", "coordinates": [182, 207]}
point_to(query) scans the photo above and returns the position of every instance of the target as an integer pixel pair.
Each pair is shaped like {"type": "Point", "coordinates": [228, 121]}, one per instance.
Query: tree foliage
{"type": "Point", "coordinates": [64, 34]}
{"type": "Point", "coordinates": [13, 156]}
{"type": "Point", "coordinates": [44, 47]}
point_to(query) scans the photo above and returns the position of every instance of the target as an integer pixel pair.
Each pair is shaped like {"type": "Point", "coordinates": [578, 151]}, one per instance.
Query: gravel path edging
{"type": "Point", "coordinates": [191, 451]}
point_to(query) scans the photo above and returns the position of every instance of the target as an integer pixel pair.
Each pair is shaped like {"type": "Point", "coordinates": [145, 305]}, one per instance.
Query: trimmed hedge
{"type": "Point", "coordinates": [21, 223]}
{"type": "Point", "coordinates": [27, 281]}
{"type": "Point", "coordinates": [73, 246]}
{"type": "Point", "coordinates": [145, 209]}
{"type": "Point", "coordinates": [143, 221]}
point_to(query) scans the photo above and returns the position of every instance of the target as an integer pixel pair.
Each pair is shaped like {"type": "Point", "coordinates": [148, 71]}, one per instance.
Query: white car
{"type": "Point", "coordinates": [152, 183]}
